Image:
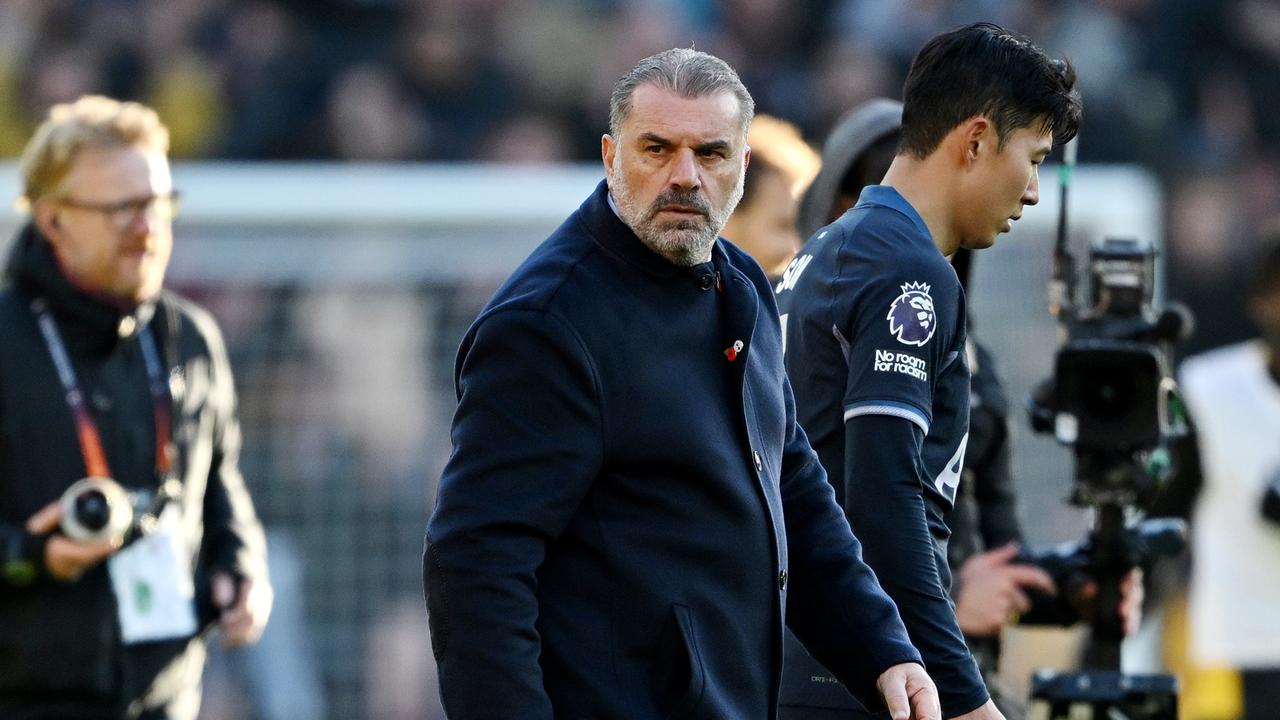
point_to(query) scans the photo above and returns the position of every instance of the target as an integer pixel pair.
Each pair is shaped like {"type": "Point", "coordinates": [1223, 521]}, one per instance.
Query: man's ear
{"type": "Point", "coordinates": [746, 158]}
{"type": "Point", "coordinates": [608, 146]}
{"type": "Point", "coordinates": [44, 213]}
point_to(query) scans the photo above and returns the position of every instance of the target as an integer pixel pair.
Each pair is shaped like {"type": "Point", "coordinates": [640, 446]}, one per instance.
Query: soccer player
{"type": "Point", "coordinates": [874, 324]}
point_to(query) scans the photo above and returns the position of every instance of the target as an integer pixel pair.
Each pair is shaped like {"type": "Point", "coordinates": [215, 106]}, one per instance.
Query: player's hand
{"type": "Point", "coordinates": [245, 607]}
{"type": "Point", "coordinates": [909, 693]}
{"type": "Point", "coordinates": [986, 712]}
{"type": "Point", "coordinates": [66, 559]}
{"type": "Point", "coordinates": [993, 590]}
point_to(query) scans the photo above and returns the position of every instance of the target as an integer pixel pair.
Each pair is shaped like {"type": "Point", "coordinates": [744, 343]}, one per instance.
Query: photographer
{"type": "Point", "coordinates": [104, 375]}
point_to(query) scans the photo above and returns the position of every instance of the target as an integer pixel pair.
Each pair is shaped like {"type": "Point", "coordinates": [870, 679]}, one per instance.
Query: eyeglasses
{"type": "Point", "coordinates": [124, 213]}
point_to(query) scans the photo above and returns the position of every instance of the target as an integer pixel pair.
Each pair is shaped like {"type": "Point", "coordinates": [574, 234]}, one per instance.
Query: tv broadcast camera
{"type": "Point", "coordinates": [1112, 399]}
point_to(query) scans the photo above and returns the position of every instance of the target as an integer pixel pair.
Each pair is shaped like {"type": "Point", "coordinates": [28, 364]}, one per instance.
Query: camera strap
{"type": "Point", "coordinates": [95, 459]}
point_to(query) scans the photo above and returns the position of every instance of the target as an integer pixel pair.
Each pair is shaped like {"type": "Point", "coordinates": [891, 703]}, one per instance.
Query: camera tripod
{"type": "Point", "coordinates": [1102, 691]}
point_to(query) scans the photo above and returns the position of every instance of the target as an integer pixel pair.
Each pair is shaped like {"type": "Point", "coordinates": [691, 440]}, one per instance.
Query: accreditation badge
{"type": "Point", "coordinates": [152, 582]}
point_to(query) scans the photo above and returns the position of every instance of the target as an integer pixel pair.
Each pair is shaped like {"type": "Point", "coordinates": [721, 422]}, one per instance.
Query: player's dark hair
{"type": "Point", "coordinates": [983, 69]}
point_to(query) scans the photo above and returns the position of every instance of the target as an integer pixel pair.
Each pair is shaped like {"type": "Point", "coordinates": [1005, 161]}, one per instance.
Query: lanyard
{"type": "Point", "coordinates": [95, 459]}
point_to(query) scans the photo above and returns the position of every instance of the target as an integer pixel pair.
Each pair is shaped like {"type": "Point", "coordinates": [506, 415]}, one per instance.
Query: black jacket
{"type": "Point", "coordinates": [985, 515]}
{"type": "Point", "coordinates": [60, 648]}
{"type": "Point", "coordinates": [631, 511]}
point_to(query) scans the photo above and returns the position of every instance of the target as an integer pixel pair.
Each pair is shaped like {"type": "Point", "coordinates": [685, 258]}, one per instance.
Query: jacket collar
{"type": "Point", "coordinates": [618, 239]}
{"type": "Point", "coordinates": [88, 321]}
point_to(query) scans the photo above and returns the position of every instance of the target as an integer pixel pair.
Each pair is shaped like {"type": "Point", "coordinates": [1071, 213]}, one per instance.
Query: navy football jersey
{"type": "Point", "coordinates": [873, 320]}
{"type": "Point", "coordinates": [873, 323]}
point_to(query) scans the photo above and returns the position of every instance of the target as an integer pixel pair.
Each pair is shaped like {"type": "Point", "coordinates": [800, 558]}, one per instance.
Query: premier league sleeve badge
{"type": "Point", "coordinates": [912, 319]}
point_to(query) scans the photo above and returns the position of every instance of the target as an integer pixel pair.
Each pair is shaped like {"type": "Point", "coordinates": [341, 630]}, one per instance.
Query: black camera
{"type": "Point", "coordinates": [1113, 400]}
{"type": "Point", "coordinates": [97, 509]}
{"type": "Point", "coordinates": [1112, 393]}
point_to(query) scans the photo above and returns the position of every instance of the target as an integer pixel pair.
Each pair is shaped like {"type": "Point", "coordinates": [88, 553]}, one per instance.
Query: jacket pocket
{"type": "Point", "coordinates": [677, 666]}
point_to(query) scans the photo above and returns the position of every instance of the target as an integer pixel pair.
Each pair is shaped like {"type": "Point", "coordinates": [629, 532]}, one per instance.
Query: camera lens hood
{"type": "Point", "coordinates": [96, 509]}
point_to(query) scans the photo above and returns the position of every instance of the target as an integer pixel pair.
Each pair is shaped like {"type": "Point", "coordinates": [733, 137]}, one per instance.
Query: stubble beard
{"type": "Point", "coordinates": [684, 242]}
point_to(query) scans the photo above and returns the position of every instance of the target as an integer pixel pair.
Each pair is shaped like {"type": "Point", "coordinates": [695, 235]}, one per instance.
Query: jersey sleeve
{"type": "Point", "coordinates": [895, 338]}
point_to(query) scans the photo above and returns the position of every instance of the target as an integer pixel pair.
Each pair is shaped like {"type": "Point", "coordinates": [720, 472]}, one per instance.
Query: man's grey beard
{"type": "Point", "coordinates": [684, 242]}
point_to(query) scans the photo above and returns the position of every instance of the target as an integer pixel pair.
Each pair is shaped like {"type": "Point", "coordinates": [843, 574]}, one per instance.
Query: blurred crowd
{"type": "Point", "coordinates": [1188, 88]}
{"type": "Point", "coordinates": [1177, 84]}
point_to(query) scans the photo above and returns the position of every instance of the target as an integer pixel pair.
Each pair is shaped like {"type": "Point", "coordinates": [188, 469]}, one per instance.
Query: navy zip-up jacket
{"type": "Point", "coordinates": [630, 510]}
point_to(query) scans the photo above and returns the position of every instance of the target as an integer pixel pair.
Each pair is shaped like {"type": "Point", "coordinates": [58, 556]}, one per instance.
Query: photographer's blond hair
{"type": "Point", "coordinates": [778, 145]}
{"type": "Point", "coordinates": [91, 121]}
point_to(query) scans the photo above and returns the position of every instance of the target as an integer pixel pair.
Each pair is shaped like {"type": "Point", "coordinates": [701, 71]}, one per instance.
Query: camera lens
{"type": "Point", "coordinates": [92, 509]}
{"type": "Point", "coordinates": [96, 508]}
{"type": "Point", "coordinates": [1112, 398]}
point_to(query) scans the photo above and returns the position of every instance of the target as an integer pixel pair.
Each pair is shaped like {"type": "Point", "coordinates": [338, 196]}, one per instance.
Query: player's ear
{"type": "Point", "coordinates": [977, 136]}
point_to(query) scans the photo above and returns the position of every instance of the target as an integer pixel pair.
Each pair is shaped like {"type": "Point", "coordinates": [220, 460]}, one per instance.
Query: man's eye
{"type": "Point", "coordinates": [654, 149]}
